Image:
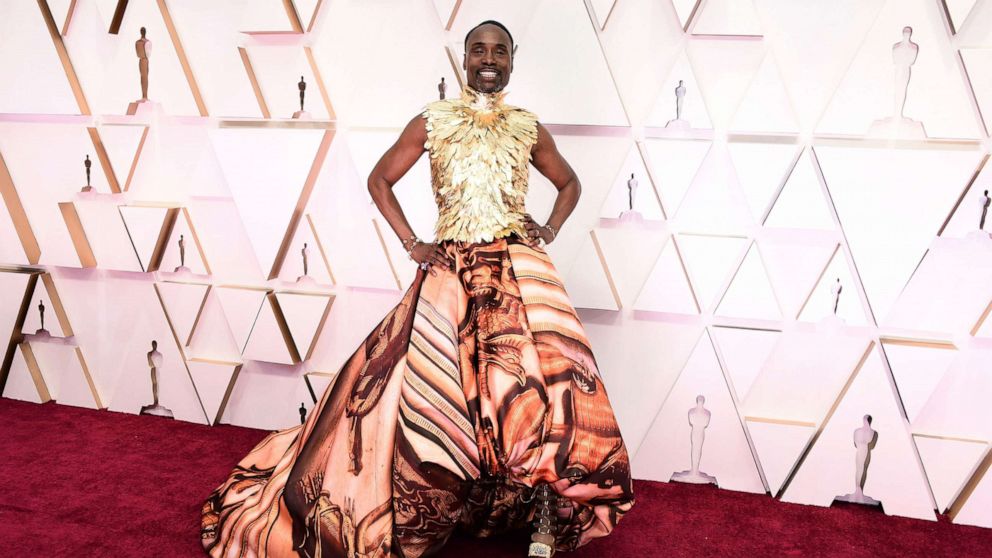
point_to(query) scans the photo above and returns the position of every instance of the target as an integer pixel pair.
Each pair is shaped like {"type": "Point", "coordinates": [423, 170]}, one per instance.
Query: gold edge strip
{"type": "Point", "coordinates": [182, 353]}
{"type": "Point", "coordinates": [950, 438]}
{"type": "Point", "coordinates": [68, 17]}
{"type": "Point", "coordinates": [15, 334]}
{"type": "Point", "coordinates": [196, 322]}
{"type": "Point", "coordinates": [89, 379]}
{"type": "Point", "coordinates": [183, 59]}
{"type": "Point", "coordinates": [293, 15]}
{"type": "Point", "coordinates": [320, 327]}
{"type": "Point", "coordinates": [118, 17]}
{"type": "Point", "coordinates": [606, 269]}
{"type": "Point", "coordinates": [78, 234]}
{"type": "Point", "coordinates": [101, 153]}
{"type": "Point", "coordinates": [227, 393]}
{"type": "Point", "coordinates": [784, 422]}
{"type": "Point", "coordinates": [385, 250]}
{"type": "Point", "coordinates": [196, 241]}
{"type": "Point", "coordinates": [70, 72]}
{"type": "Point", "coordinates": [53, 296]}
{"type": "Point", "coordinates": [324, 94]}
{"type": "Point", "coordinates": [964, 192]}
{"type": "Point", "coordinates": [35, 371]}
{"type": "Point", "coordinates": [453, 59]}
{"type": "Point", "coordinates": [981, 320]}
{"type": "Point", "coordinates": [451, 18]}
{"type": "Point", "coordinates": [917, 343]}
{"type": "Point", "coordinates": [969, 487]}
{"type": "Point", "coordinates": [256, 87]}
{"type": "Point", "coordinates": [826, 420]}
{"type": "Point", "coordinates": [164, 233]}
{"type": "Point", "coordinates": [320, 248]}
{"type": "Point", "coordinates": [301, 203]}
{"type": "Point", "coordinates": [685, 272]}
{"type": "Point", "coordinates": [613, 80]}
{"type": "Point", "coordinates": [823, 273]}
{"type": "Point", "coordinates": [22, 226]}
{"type": "Point", "coordinates": [313, 17]}
{"type": "Point", "coordinates": [134, 160]}
{"type": "Point", "coordinates": [641, 151]}
{"type": "Point", "coordinates": [287, 335]}
{"type": "Point", "coordinates": [202, 360]}
{"type": "Point", "coordinates": [690, 21]}
{"type": "Point", "coordinates": [131, 238]}
{"type": "Point", "coordinates": [606, 20]}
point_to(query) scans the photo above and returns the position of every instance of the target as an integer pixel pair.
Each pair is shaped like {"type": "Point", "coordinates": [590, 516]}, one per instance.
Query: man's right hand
{"type": "Point", "coordinates": [433, 254]}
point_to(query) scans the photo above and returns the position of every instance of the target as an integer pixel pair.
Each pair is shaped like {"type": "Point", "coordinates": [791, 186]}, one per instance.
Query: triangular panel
{"type": "Point", "coordinates": [709, 261]}
{"type": "Point", "coordinates": [645, 199]}
{"type": "Point", "coordinates": [800, 204]}
{"type": "Point", "coordinates": [766, 107]}
{"type": "Point", "coordinates": [949, 464]}
{"type": "Point", "coordinates": [721, 89]}
{"type": "Point", "coordinates": [588, 282]}
{"type": "Point", "coordinates": [271, 339]}
{"type": "Point", "coordinates": [673, 181]}
{"type": "Point", "coordinates": [666, 448]}
{"type": "Point", "coordinates": [726, 17]}
{"type": "Point", "coordinates": [744, 352]}
{"type": "Point", "coordinates": [795, 263]}
{"type": "Point", "coordinates": [305, 315]}
{"type": "Point", "coordinates": [750, 294]}
{"type": "Point", "coordinates": [889, 209]}
{"type": "Point", "coordinates": [760, 169]}
{"type": "Point", "coordinates": [893, 476]}
{"type": "Point", "coordinates": [779, 446]}
{"type": "Point", "coordinates": [213, 381]}
{"type": "Point", "coordinates": [629, 252]}
{"type": "Point", "coordinates": [667, 286]}
{"type": "Point", "coordinates": [266, 170]}
{"type": "Point", "coordinates": [917, 369]}
{"type": "Point", "coordinates": [183, 303]}
{"type": "Point", "coordinates": [868, 91]}
{"type": "Point", "coordinates": [823, 298]}
{"type": "Point", "coordinates": [241, 307]}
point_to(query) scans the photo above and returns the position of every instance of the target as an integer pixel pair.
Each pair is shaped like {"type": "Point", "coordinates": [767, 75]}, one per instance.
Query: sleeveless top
{"type": "Point", "coordinates": [479, 151]}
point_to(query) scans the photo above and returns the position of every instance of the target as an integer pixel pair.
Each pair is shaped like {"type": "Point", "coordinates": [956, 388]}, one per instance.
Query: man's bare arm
{"type": "Point", "coordinates": [395, 163]}
{"type": "Point", "coordinates": [548, 161]}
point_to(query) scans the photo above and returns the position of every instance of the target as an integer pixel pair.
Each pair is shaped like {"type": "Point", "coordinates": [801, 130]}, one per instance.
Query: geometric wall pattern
{"type": "Point", "coordinates": [777, 190]}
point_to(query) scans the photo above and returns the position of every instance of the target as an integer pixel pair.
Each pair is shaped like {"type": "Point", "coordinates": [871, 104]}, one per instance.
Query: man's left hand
{"type": "Point", "coordinates": [535, 231]}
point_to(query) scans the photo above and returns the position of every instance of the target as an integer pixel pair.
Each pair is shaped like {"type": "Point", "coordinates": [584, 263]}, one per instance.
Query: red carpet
{"type": "Point", "coordinates": [87, 483]}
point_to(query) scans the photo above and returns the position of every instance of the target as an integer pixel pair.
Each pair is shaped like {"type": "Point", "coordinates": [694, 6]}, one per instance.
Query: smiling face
{"type": "Point", "coordinates": [488, 59]}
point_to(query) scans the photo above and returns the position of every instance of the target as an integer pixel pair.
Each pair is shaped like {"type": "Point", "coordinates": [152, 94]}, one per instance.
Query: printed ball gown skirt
{"type": "Point", "coordinates": [477, 387]}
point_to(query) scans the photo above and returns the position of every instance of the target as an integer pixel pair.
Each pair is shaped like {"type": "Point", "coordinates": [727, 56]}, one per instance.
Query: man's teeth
{"type": "Point", "coordinates": [487, 73]}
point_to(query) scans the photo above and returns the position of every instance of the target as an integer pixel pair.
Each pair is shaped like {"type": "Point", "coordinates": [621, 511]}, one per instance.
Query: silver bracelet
{"type": "Point", "coordinates": [554, 231]}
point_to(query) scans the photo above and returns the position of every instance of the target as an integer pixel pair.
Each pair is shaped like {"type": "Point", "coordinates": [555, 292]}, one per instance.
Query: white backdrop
{"type": "Point", "coordinates": [750, 216]}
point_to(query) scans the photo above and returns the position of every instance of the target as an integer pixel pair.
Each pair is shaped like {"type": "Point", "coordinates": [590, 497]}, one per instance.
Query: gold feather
{"type": "Point", "coordinates": [479, 153]}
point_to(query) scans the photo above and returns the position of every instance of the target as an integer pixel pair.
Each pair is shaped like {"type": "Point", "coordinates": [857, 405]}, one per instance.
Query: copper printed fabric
{"type": "Point", "coordinates": [476, 387]}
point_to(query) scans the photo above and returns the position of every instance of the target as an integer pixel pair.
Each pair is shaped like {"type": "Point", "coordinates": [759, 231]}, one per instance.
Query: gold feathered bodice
{"type": "Point", "coordinates": [479, 150]}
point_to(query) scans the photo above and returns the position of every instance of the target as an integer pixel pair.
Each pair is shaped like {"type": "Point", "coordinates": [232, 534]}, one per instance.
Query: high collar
{"type": "Point", "coordinates": [483, 101]}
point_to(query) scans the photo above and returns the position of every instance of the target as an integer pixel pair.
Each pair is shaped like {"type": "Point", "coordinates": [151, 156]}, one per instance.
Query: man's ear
{"type": "Point", "coordinates": [514, 53]}
{"type": "Point", "coordinates": [465, 61]}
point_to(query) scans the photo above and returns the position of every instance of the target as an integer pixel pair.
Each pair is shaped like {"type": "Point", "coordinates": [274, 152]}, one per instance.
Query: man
{"type": "Point", "coordinates": [476, 402]}
{"type": "Point", "coordinates": [488, 63]}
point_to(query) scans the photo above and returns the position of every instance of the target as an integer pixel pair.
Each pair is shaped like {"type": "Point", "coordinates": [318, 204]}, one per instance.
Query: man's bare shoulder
{"type": "Point", "coordinates": [415, 130]}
